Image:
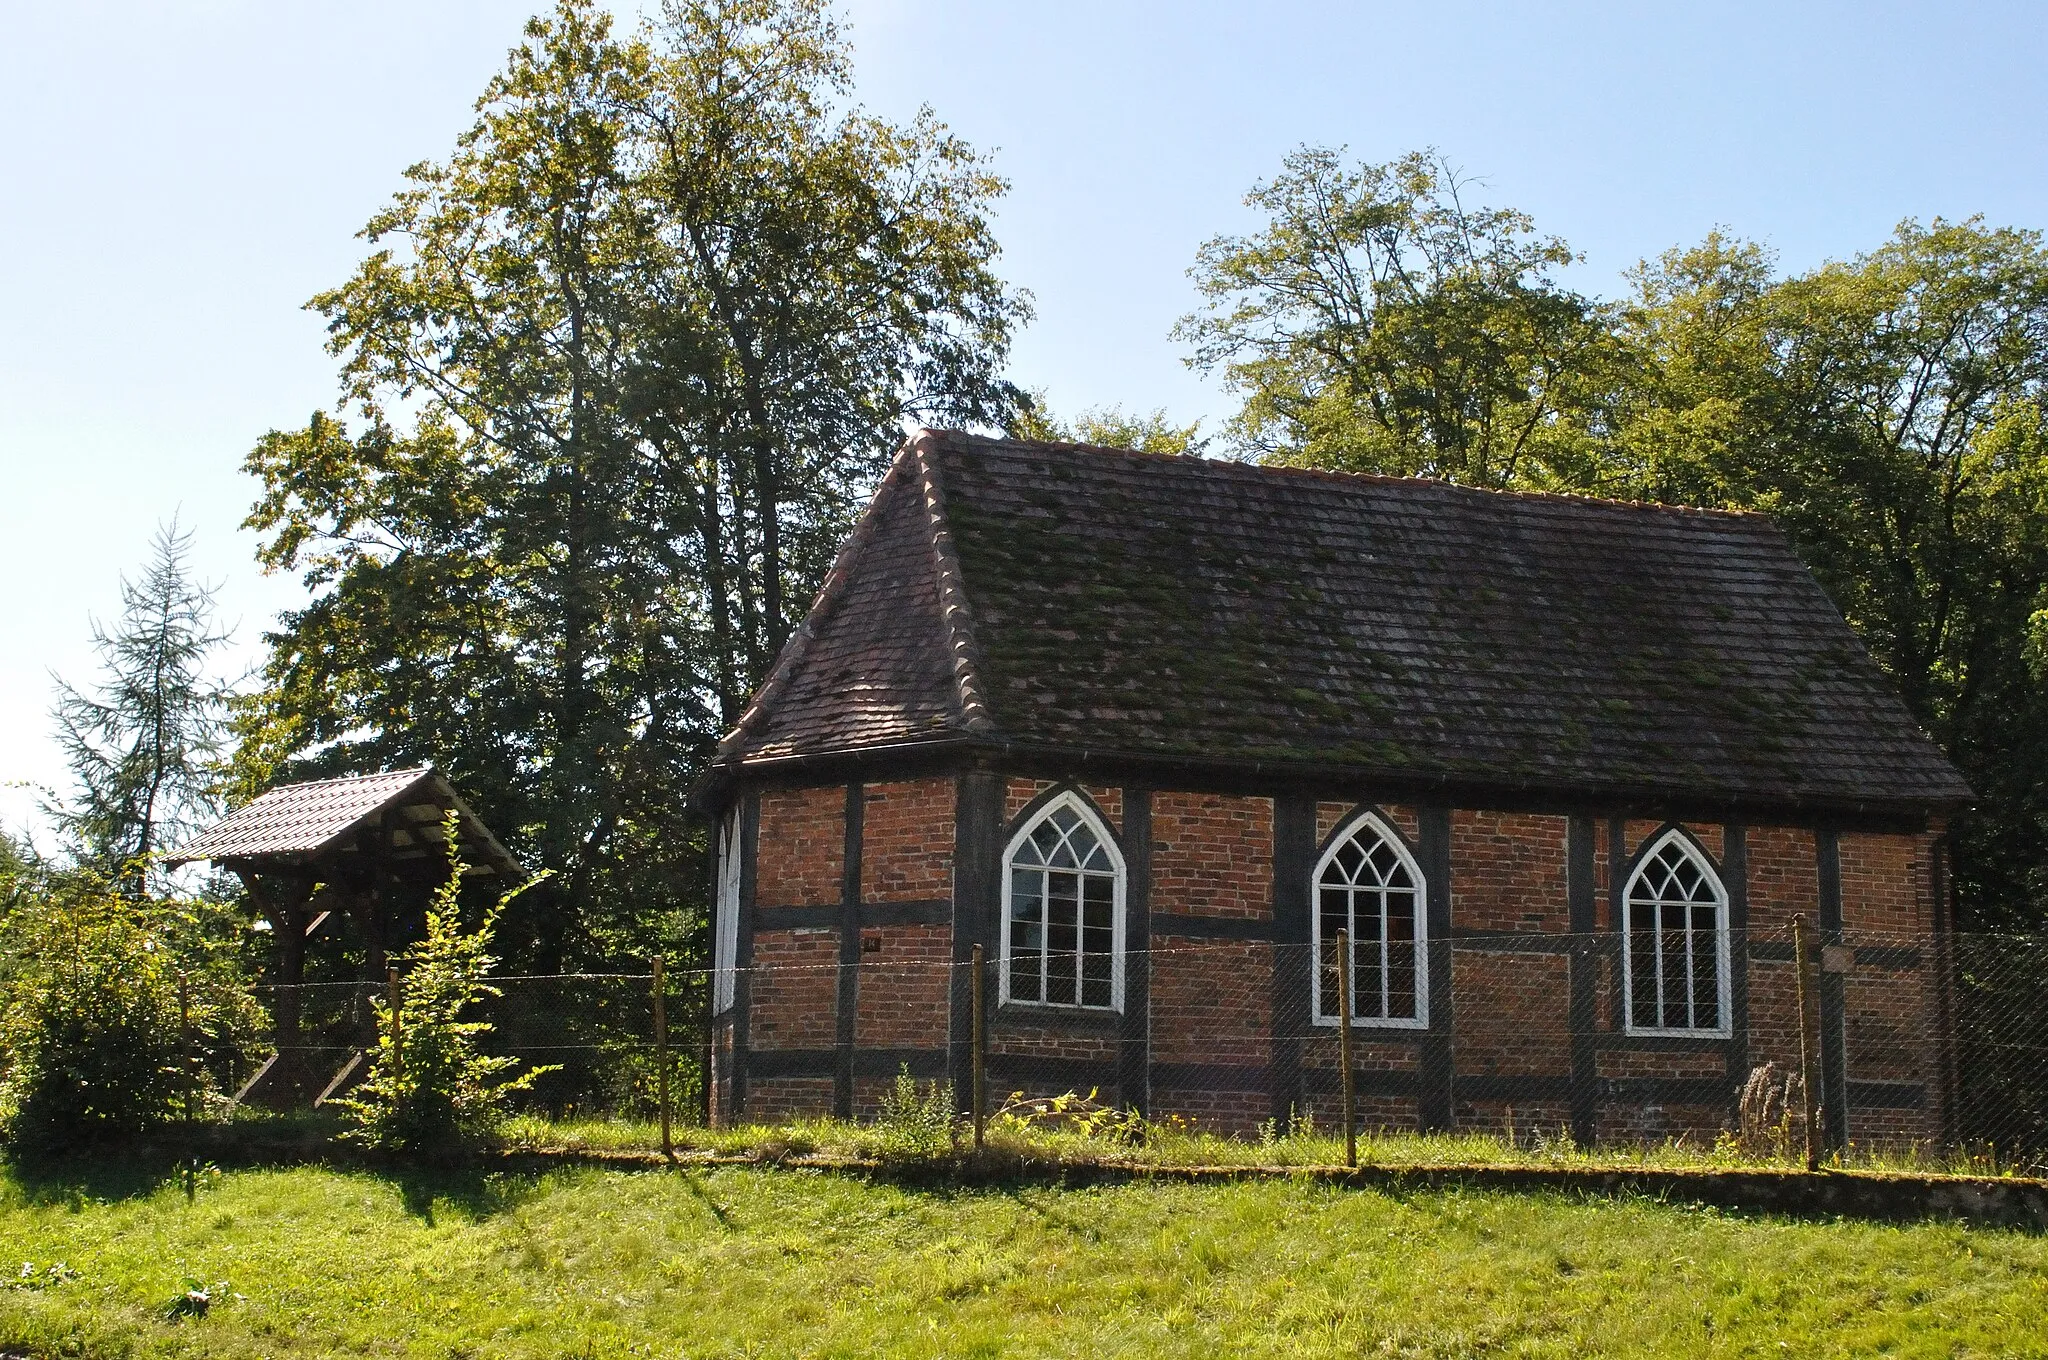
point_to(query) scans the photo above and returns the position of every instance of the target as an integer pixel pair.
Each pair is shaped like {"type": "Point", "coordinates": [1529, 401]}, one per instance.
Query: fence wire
{"type": "Point", "coordinates": [1668, 1032]}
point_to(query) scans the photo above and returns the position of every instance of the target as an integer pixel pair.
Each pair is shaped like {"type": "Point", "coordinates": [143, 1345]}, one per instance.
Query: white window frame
{"type": "Point", "coordinates": [1087, 813]}
{"type": "Point", "coordinates": [725, 924]}
{"type": "Point", "coordinates": [1346, 833]}
{"type": "Point", "coordinates": [1722, 968]}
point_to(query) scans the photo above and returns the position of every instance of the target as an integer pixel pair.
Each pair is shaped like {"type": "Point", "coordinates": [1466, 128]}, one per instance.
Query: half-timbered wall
{"type": "Point", "coordinates": [860, 904]}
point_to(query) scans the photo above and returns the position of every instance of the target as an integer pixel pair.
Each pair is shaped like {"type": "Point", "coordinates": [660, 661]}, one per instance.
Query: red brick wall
{"type": "Point", "coordinates": [1021, 1035]}
{"type": "Point", "coordinates": [1887, 900]}
{"type": "Point", "coordinates": [1508, 872]}
{"type": "Point", "coordinates": [903, 999]}
{"type": "Point", "coordinates": [907, 842]}
{"type": "Point", "coordinates": [1522, 1120]}
{"type": "Point", "coordinates": [800, 857]}
{"type": "Point", "coordinates": [1210, 1001]}
{"type": "Point", "coordinates": [795, 989]}
{"type": "Point", "coordinates": [1512, 1013]}
{"type": "Point", "coordinates": [777, 1100]}
{"type": "Point", "coordinates": [1330, 815]}
{"type": "Point", "coordinates": [1700, 1062]}
{"type": "Point", "coordinates": [1885, 886]}
{"type": "Point", "coordinates": [1230, 1113]}
{"type": "Point", "coordinates": [1212, 855]}
{"type": "Point", "coordinates": [1784, 880]}
{"type": "Point", "coordinates": [1018, 793]}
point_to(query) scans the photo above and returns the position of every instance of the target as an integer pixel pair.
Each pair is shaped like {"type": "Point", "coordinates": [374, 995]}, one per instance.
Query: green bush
{"type": "Point", "coordinates": [916, 1121]}
{"type": "Point", "coordinates": [430, 1091]}
{"type": "Point", "coordinates": [91, 1040]}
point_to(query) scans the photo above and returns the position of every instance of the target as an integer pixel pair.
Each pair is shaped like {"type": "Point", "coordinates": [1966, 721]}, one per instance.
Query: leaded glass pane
{"type": "Point", "coordinates": [1674, 942]}
{"type": "Point", "coordinates": [1062, 930]}
{"type": "Point", "coordinates": [1366, 887]}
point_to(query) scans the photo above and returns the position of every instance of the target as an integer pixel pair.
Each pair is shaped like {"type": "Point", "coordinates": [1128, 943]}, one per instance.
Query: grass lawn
{"type": "Point", "coordinates": [763, 1262]}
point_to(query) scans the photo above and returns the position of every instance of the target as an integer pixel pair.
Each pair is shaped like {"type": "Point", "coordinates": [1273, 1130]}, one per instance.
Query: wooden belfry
{"type": "Point", "coordinates": [371, 846]}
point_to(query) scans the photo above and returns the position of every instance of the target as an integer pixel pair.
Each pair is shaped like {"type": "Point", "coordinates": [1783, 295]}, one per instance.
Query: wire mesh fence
{"type": "Point", "coordinates": [1673, 1031]}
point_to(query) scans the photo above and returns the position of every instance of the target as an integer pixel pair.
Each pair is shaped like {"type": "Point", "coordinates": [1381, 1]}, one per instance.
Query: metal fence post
{"type": "Point", "coordinates": [1807, 1094]}
{"type": "Point", "coordinates": [1347, 1081]}
{"type": "Point", "coordinates": [978, 1096]}
{"type": "Point", "coordinates": [394, 999]}
{"type": "Point", "coordinates": [668, 1146]}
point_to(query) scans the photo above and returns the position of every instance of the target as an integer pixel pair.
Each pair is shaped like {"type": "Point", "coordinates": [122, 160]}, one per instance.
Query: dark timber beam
{"type": "Point", "coordinates": [977, 903]}
{"type": "Point", "coordinates": [1134, 1048]}
{"type": "Point", "coordinates": [743, 955]}
{"type": "Point", "coordinates": [1582, 898]}
{"type": "Point", "coordinates": [849, 951]}
{"type": "Point", "coordinates": [1735, 878]}
{"type": "Point", "coordinates": [1834, 1048]}
{"type": "Point", "coordinates": [1294, 858]}
{"type": "Point", "coordinates": [1436, 1103]}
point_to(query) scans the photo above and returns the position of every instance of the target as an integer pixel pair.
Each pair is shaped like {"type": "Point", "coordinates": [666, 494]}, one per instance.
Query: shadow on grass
{"type": "Point", "coordinates": [191, 1156]}
{"type": "Point", "coordinates": [487, 1184]}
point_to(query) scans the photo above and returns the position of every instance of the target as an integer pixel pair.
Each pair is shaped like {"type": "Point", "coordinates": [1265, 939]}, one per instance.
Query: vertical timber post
{"type": "Point", "coordinates": [1808, 1095]}
{"type": "Point", "coordinates": [668, 1145]}
{"type": "Point", "coordinates": [1347, 1080]}
{"type": "Point", "coordinates": [979, 1094]}
{"type": "Point", "coordinates": [393, 998]}
{"type": "Point", "coordinates": [185, 1043]}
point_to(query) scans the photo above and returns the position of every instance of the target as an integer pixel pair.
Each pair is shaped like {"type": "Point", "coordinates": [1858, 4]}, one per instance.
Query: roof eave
{"type": "Point", "coordinates": [1459, 788]}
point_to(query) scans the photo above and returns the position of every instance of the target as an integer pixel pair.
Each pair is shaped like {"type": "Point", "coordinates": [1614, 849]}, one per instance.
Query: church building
{"type": "Point", "coordinates": [1151, 731]}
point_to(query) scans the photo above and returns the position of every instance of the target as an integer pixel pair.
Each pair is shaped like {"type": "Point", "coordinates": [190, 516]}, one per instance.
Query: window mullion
{"type": "Point", "coordinates": [1044, 934]}
{"type": "Point", "coordinates": [1657, 954]}
{"type": "Point", "coordinates": [1386, 956]}
{"type": "Point", "coordinates": [1692, 1008]}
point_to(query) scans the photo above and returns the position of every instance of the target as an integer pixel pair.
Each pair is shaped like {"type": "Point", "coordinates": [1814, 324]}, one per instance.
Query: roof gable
{"type": "Point", "coordinates": [306, 824]}
{"type": "Point", "coordinates": [1217, 612]}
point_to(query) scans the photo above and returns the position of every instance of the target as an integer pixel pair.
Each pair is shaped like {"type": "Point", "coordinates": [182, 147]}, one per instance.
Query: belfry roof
{"type": "Point", "coordinates": [1061, 598]}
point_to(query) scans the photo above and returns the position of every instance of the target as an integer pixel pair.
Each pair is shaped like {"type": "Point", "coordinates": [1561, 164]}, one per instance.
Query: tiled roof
{"type": "Point", "coordinates": [296, 821]}
{"type": "Point", "coordinates": [1208, 611]}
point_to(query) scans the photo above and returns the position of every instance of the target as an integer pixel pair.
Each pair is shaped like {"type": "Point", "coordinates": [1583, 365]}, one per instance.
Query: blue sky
{"type": "Point", "coordinates": [177, 178]}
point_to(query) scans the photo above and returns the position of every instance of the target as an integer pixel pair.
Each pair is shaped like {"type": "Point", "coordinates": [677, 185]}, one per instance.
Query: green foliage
{"type": "Point", "coordinates": [1381, 324]}
{"type": "Point", "coordinates": [91, 1031]}
{"type": "Point", "coordinates": [1109, 427]}
{"type": "Point", "coordinates": [654, 325]}
{"type": "Point", "coordinates": [1890, 411]}
{"type": "Point", "coordinates": [144, 745]}
{"type": "Point", "coordinates": [430, 1092]}
{"type": "Point", "coordinates": [917, 1120]}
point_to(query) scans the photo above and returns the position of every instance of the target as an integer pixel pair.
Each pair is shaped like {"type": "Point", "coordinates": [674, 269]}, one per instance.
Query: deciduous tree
{"type": "Point", "coordinates": [1380, 323]}
{"type": "Point", "coordinates": [621, 370]}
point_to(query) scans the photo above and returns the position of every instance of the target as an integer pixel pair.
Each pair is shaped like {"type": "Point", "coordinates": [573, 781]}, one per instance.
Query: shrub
{"type": "Point", "coordinates": [91, 1042]}
{"type": "Point", "coordinates": [430, 1091]}
{"type": "Point", "coordinates": [917, 1121]}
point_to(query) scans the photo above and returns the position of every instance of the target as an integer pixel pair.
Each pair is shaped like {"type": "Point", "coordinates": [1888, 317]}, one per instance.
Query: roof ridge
{"type": "Point", "coordinates": [793, 650]}
{"type": "Point", "coordinates": [1233, 466]}
{"type": "Point", "coordinates": [415, 770]}
{"type": "Point", "coordinates": [953, 603]}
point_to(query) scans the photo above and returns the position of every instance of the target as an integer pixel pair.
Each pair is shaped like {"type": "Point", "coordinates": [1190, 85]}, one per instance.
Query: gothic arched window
{"type": "Point", "coordinates": [1368, 884]}
{"type": "Point", "coordinates": [1063, 910]}
{"type": "Point", "coordinates": [1674, 949]}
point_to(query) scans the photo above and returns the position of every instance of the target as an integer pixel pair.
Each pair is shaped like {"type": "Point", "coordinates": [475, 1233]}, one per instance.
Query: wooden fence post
{"type": "Point", "coordinates": [394, 998]}
{"type": "Point", "coordinates": [978, 1080]}
{"type": "Point", "coordinates": [1347, 1081]}
{"type": "Point", "coordinates": [668, 1146]}
{"type": "Point", "coordinates": [1808, 1095]}
{"type": "Point", "coordinates": [185, 1044]}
